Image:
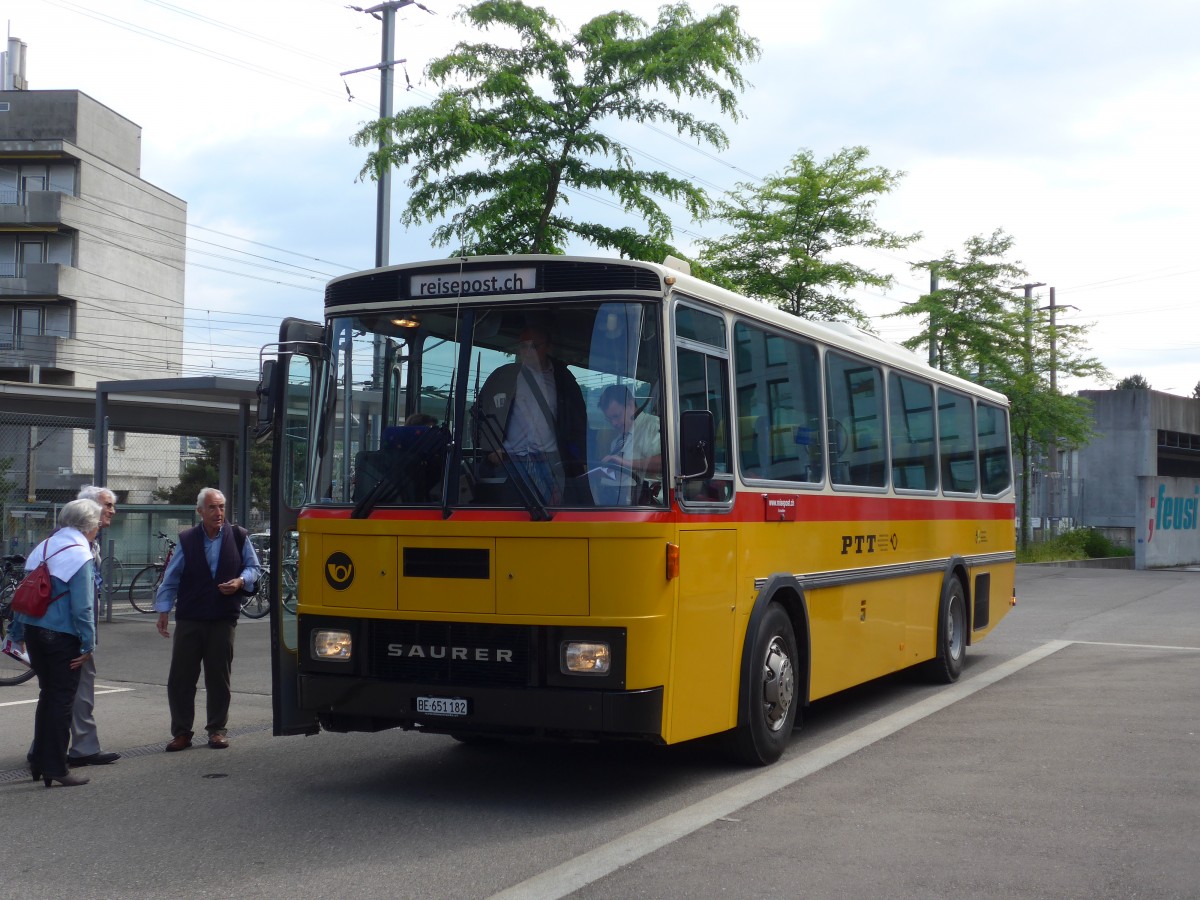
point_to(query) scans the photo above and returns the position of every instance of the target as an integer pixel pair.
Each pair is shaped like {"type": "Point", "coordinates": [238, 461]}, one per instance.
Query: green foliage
{"type": "Point", "coordinates": [982, 331]}
{"type": "Point", "coordinates": [204, 471]}
{"type": "Point", "coordinates": [974, 326]}
{"type": "Point", "coordinates": [1135, 383]}
{"type": "Point", "coordinates": [787, 227]}
{"type": "Point", "coordinates": [1078, 543]}
{"type": "Point", "coordinates": [515, 128]}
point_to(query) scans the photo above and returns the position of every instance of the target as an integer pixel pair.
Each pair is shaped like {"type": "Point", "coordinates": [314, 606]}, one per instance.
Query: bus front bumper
{"type": "Point", "coordinates": [349, 703]}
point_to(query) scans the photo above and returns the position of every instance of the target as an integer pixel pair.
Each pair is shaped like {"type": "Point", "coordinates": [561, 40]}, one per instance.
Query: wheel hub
{"type": "Point", "coordinates": [779, 684]}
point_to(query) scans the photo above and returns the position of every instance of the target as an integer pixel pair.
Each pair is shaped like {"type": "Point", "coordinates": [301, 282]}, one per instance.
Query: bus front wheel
{"type": "Point", "coordinates": [771, 705]}
{"type": "Point", "coordinates": [951, 635]}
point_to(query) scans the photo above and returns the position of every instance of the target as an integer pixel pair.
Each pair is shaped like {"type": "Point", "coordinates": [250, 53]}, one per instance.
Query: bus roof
{"type": "Point", "coordinates": [839, 335]}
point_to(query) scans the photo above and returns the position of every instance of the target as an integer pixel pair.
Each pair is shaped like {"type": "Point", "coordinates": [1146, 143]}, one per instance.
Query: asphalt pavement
{"type": "Point", "coordinates": [1064, 764]}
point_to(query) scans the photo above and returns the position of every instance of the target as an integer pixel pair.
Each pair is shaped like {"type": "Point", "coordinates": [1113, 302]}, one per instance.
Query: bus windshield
{"type": "Point", "coordinates": [523, 405]}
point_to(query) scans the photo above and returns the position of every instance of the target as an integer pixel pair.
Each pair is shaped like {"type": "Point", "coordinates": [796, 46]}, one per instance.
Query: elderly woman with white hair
{"type": "Point", "coordinates": [61, 640]}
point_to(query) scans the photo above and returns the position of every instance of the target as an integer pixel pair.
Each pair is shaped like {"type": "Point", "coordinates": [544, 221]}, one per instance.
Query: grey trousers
{"type": "Point", "coordinates": [85, 739]}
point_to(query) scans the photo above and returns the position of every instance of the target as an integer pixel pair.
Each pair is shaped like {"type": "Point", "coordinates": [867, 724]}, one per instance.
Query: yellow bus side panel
{"type": "Point", "coordinates": [857, 634]}
{"type": "Point", "coordinates": [868, 629]}
{"type": "Point", "coordinates": [629, 587]}
{"type": "Point", "coordinates": [703, 668]}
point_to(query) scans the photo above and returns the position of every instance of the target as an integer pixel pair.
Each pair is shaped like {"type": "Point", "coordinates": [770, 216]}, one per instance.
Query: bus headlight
{"type": "Point", "coordinates": [586, 658]}
{"type": "Point", "coordinates": [331, 646]}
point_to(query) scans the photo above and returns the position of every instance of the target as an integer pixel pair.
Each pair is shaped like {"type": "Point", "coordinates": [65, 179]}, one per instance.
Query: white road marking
{"type": "Point", "coordinates": [595, 864]}
{"type": "Point", "coordinates": [1136, 646]}
{"type": "Point", "coordinates": [99, 693]}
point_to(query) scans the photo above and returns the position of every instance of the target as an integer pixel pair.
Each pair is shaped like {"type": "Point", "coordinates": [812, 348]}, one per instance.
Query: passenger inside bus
{"type": "Point", "coordinates": [635, 453]}
{"type": "Point", "coordinates": [532, 422]}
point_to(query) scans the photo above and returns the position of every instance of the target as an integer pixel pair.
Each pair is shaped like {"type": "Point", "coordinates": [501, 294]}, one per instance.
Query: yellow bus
{"type": "Point", "coordinates": [587, 499]}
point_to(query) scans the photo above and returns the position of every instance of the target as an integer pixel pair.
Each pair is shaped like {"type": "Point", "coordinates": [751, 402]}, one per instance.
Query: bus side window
{"type": "Point", "coordinates": [956, 440]}
{"type": "Point", "coordinates": [704, 384]}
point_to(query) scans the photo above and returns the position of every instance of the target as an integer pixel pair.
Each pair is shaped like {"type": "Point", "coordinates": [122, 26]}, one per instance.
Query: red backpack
{"type": "Point", "coordinates": [34, 594]}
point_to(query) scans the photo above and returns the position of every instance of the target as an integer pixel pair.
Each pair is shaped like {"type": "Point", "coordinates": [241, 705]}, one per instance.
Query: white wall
{"type": "Point", "coordinates": [1168, 522]}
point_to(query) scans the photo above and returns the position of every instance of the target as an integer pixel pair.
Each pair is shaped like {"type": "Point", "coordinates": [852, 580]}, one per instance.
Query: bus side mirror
{"type": "Point", "coordinates": [266, 399]}
{"type": "Point", "coordinates": [697, 440]}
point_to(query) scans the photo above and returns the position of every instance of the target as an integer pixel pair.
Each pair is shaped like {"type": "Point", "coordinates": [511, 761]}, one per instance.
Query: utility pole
{"type": "Point", "coordinates": [1027, 442]}
{"type": "Point", "coordinates": [1055, 468]}
{"type": "Point", "coordinates": [933, 289]}
{"type": "Point", "coordinates": [387, 68]}
{"type": "Point", "coordinates": [386, 12]}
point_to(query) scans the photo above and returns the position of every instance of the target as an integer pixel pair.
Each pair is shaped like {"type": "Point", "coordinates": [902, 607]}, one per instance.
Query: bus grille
{"type": "Point", "coordinates": [453, 653]}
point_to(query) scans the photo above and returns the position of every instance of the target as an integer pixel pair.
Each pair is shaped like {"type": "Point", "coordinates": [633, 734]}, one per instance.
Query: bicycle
{"type": "Point", "coordinates": [12, 570]}
{"type": "Point", "coordinates": [258, 604]}
{"type": "Point", "coordinates": [144, 586]}
{"type": "Point", "coordinates": [115, 570]}
{"type": "Point", "coordinates": [287, 584]}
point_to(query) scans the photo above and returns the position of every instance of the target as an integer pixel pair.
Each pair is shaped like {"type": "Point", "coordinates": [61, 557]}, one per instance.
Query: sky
{"type": "Point", "coordinates": [1073, 125]}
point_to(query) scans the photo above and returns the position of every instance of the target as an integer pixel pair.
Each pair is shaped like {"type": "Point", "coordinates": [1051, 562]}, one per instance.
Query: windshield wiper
{"type": "Point", "coordinates": [520, 478]}
{"type": "Point", "coordinates": [405, 471]}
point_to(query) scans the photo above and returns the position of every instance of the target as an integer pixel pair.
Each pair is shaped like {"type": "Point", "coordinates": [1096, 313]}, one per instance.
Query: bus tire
{"type": "Point", "coordinates": [773, 705]}
{"type": "Point", "coordinates": [951, 635]}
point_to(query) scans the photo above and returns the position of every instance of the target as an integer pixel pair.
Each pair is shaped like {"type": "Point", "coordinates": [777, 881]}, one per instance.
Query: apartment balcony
{"type": "Point", "coordinates": [39, 281]}
{"type": "Point", "coordinates": [21, 351]}
{"type": "Point", "coordinates": [32, 208]}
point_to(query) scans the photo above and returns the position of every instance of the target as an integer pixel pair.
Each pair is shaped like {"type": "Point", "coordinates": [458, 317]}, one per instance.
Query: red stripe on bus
{"type": "Point", "coordinates": [748, 508]}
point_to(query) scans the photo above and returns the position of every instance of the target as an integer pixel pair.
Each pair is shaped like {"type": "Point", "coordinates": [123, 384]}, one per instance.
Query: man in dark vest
{"type": "Point", "coordinates": [205, 582]}
{"type": "Point", "coordinates": [537, 417]}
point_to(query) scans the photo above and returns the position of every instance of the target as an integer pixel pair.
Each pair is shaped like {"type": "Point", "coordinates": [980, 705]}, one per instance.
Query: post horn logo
{"type": "Point", "coordinates": [339, 571]}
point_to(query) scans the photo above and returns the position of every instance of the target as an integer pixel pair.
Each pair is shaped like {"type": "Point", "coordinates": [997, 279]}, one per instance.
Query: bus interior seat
{"type": "Point", "coordinates": [406, 467]}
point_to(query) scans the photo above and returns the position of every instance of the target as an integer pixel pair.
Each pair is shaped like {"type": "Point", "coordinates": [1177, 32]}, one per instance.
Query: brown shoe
{"type": "Point", "coordinates": [218, 742]}
{"type": "Point", "coordinates": [180, 742]}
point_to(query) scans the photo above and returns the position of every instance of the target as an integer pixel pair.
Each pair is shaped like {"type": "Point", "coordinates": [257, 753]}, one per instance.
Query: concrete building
{"type": "Point", "coordinates": [1141, 474]}
{"type": "Point", "coordinates": [91, 272]}
{"type": "Point", "coordinates": [91, 255]}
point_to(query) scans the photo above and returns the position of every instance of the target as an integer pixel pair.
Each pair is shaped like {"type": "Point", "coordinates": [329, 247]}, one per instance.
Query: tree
{"type": "Point", "coordinates": [204, 471]}
{"type": "Point", "coordinates": [1134, 383]}
{"type": "Point", "coordinates": [1196, 391]}
{"type": "Point", "coordinates": [514, 129]}
{"type": "Point", "coordinates": [787, 227]}
{"type": "Point", "coordinates": [981, 331]}
{"type": "Point", "coordinates": [974, 329]}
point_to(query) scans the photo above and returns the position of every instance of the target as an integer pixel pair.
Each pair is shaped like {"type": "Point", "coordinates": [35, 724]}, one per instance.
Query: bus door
{"type": "Point", "coordinates": [704, 667]}
{"type": "Point", "coordinates": [289, 394]}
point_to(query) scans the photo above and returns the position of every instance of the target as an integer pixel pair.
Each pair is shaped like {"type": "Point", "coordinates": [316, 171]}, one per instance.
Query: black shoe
{"type": "Point", "coordinates": [96, 759]}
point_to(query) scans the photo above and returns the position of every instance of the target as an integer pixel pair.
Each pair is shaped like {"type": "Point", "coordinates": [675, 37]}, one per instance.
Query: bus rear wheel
{"type": "Point", "coordinates": [951, 635]}
{"type": "Point", "coordinates": [771, 705]}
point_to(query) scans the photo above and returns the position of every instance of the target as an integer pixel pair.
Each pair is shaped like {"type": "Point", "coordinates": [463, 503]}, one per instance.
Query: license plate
{"type": "Point", "coordinates": [442, 706]}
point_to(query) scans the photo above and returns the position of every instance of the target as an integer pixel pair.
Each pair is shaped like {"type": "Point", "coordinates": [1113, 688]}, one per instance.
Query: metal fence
{"type": "Point", "coordinates": [44, 460]}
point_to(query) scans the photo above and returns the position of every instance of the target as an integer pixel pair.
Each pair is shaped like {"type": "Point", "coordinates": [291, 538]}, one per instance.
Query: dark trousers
{"type": "Point", "coordinates": [50, 653]}
{"type": "Point", "coordinates": [200, 641]}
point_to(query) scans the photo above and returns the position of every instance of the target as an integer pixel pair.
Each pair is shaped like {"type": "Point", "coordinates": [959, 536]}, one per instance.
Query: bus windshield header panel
{"type": "Point", "coordinates": [494, 277]}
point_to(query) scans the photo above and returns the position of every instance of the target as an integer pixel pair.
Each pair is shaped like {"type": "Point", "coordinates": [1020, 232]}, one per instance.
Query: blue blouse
{"type": "Point", "coordinates": [72, 614]}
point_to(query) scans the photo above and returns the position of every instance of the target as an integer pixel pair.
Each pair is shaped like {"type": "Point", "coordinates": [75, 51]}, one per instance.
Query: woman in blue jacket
{"type": "Point", "coordinates": [60, 641]}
